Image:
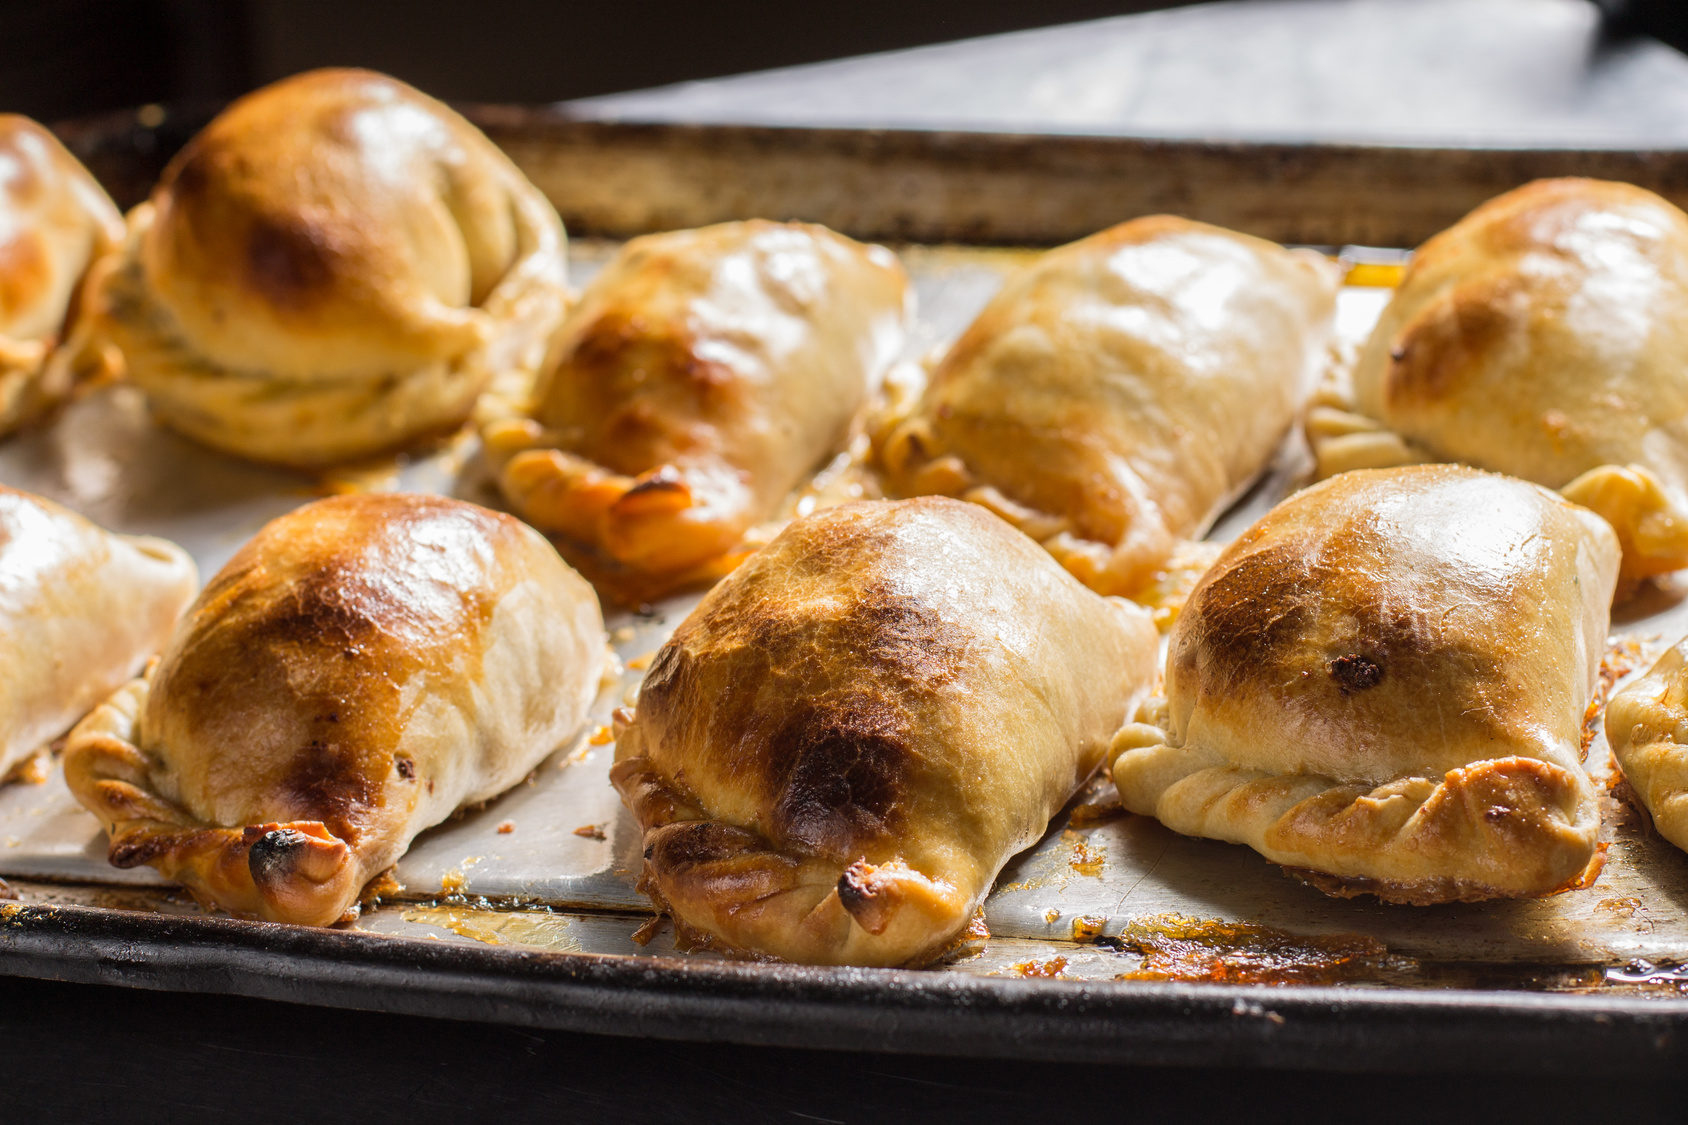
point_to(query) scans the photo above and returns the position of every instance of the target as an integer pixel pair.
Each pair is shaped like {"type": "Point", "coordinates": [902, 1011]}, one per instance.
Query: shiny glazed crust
{"type": "Point", "coordinates": [1117, 395]}
{"type": "Point", "coordinates": [362, 668]}
{"type": "Point", "coordinates": [81, 610]}
{"type": "Point", "coordinates": [335, 266]}
{"type": "Point", "coordinates": [839, 749]}
{"type": "Point", "coordinates": [1383, 682]}
{"type": "Point", "coordinates": [704, 375]}
{"type": "Point", "coordinates": [1545, 336]}
{"type": "Point", "coordinates": [56, 222]}
{"type": "Point", "coordinates": [1647, 725]}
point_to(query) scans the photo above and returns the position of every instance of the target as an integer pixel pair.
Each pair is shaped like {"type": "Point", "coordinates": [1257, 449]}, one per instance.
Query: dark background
{"type": "Point", "coordinates": [65, 58]}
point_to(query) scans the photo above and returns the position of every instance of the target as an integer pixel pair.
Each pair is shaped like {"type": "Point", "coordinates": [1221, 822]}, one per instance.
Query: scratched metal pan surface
{"type": "Point", "coordinates": [541, 923]}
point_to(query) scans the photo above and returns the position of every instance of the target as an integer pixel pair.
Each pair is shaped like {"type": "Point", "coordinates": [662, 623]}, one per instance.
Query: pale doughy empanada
{"type": "Point", "coordinates": [81, 610]}
{"type": "Point", "coordinates": [361, 669]}
{"type": "Point", "coordinates": [55, 222]}
{"type": "Point", "coordinates": [839, 749]}
{"type": "Point", "coordinates": [1647, 726]}
{"type": "Point", "coordinates": [1544, 335]}
{"type": "Point", "coordinates": [704, 375]}
{"type": "Point", "coordinates": [1117, 395]}
{"type": "Point", "coordinates": [335, 266]}
{"type": "Point", "coordinates": [1383, 682]}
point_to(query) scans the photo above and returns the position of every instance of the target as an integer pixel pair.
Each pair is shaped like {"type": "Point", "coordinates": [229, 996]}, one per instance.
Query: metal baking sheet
{"type": "Point", "coordinates": [541, 925]}
{"type": "Point", "coordinates": [106, 458]}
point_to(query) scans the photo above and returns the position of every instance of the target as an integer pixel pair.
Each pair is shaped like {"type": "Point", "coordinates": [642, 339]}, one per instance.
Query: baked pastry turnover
{"type": "Point", "coordinates": [839, 749]}
{"type": "Point", "coordinates": [55, 222]}
{"type": "Point", "coordinates": [1117, 395]}
{"type": "Point", "coordinates": [704, 375]}
{"type": "Point", "coordinates": [361, 669]}
{"type": "Point", "coordinates": [81, 610]}
{"type": "Point", "coordinates": [1382, 685]}
{"type": "Point", "coordinates": [1544, 335]}
{"type": "Point", "coordinates": [1647, 726]}
{"type": "Point", "coordinates": [335, 266]}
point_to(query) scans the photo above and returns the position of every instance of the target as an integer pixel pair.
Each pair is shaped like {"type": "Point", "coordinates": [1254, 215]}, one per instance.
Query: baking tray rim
{"type": "Point", "coordinates": [851, 1009]}
{"type": "Point", "coordinates": [903, 1011]}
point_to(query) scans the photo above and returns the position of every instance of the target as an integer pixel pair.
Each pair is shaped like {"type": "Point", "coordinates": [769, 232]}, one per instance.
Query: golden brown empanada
{"type": "Point", "coordinates": [1544, 335]}
{"type": "Point", "coordinates": [1647, 726]}
{"type": "Point", "coordinates": [1117, 395]}
{"type": "Point", "coordinates": [55, 222]}
{"type": "Point", "coordinates": [335, 266]}
{"type": "Point", "coordinates": [839, 749]}
{"type": "Point", "coordinates": [1382, 684]}
{"type": "Point", "coordinates": [361, 669]}
{"type": "Point", "coordinates": [81, 610]}
{"type": "Point", "coordinates": [704, 375]}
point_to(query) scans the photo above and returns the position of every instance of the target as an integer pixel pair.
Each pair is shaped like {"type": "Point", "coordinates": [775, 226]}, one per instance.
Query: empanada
{"type": "Point", "coordinates": [1544, 335]}
{"type": "Point", "coordinates": [335, 266]}
{"type": "Point", "coordinates": [1383, 683]}
{"type": "Point", "coordinates": [704, 375]}
{"type": "Point", "coordinates": [361, 669]}
{"type": "Point", "coordinates": [1118, 394]}
{"type": "Point", "coordinates": [81, 610]}
{"type": "Point", "coordinates": [55, 222]}
{"type": "Point", "coordinates": [839, 749]}
{"type": "Point", "coordinates": [1647, 726]}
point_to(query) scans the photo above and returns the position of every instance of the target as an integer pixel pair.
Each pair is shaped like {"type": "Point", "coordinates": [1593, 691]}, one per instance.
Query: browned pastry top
{"type": "Point", "coordinates": [329, 222]}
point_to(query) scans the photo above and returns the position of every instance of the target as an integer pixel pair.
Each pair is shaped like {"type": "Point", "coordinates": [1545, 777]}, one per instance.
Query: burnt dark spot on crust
{"type": "Point", "coordinates": [328, 606]}
{"type": "Point", "coordinates": [1354, 673]}
{"type": "Point", "coordinates": [1253, 616]}
{"type": "Point", "coordinates": [679, 847]}
{"type": "Point", "coordinates": [1248, 613]}
{"type": "Point", "coordinates": [406, 767]}
{"type": "Point", "coordinates": [844, 773]}
{"type": "Point", "coordinates": [289, 260]}
{"type": "Point", "coordinates": [866, 898]}
{"type": "Point", "coordinates": [329, 783]}
{"type": "Point", "coordinates": [273, 855]}
{"type": "Point", "coordinates": [143, 848]}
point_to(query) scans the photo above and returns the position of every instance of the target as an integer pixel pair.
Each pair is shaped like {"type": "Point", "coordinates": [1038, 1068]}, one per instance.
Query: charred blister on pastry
{"type": "Point", "coordinates": [362, 669]}
{"type": "Point", "coordinates": [1355, 673]}
{"type": "Point", "coordinates": [837, 751]}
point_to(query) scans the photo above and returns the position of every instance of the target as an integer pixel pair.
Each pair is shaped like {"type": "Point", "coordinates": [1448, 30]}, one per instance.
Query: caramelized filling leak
{"type": "Point", "coordinates": [1623, 656]}
{"type": "Point", "coordinates": [1087, 859]}
{"type": "Point", "coordinates": [1176, 948]}
{"type": "Point", "coordinates": [1051, 969]}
